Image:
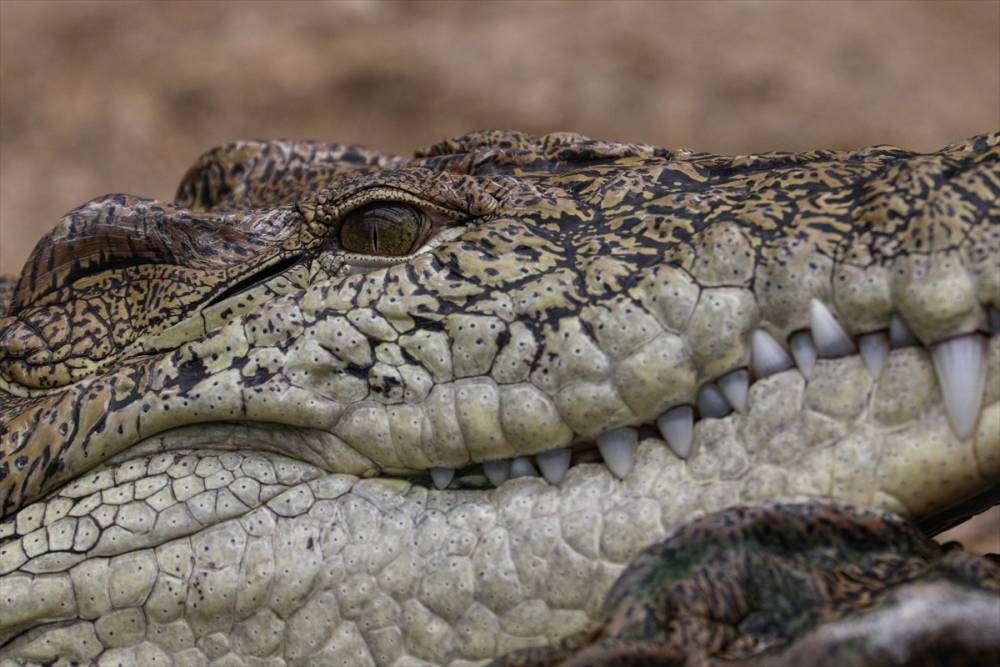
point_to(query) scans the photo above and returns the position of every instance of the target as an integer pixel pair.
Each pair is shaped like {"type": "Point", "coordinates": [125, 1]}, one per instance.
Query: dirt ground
{"type": "Point", "coordinates": [100, 97]}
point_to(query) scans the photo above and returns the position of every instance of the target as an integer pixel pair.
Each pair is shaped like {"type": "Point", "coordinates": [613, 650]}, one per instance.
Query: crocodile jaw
{"type": "Point", "coordinates": [387, 568]}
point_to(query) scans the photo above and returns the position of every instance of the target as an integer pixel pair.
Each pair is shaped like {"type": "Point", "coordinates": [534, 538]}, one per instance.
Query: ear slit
{"type": "Point", "coordinates": [251, 281]}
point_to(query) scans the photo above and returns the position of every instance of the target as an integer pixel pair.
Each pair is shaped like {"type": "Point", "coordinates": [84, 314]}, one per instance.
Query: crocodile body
{"type": "Point", "coordinates": [298, 415]}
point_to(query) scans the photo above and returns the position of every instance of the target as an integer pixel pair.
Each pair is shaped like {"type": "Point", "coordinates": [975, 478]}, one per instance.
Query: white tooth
{"type": "Point", "coordinates": [831, 339]}
{"type": "Point", "coordinates": [497, 472]}
{"type": "Point", "coordinates": [994, 320]}
{"type": "Point", "coordinates": [712, 402]}
{"type": "Point", "coordinates": [767, 357]}
{"type": "Point", "coordinates": [677, 427]}
{"type": "Point", "coordinates": [554, 464]}
{"type": "Point", "coordinates": [960, 363]}
{"type": "Point", "coordinates": [804, 352]}
{"type": "Point", "coordinates": [618, 449]}
{"type": "Point", "coordinates": [900, 334]}
{"type": "Point", "coordinates": [522, 466]}
{"type": "Point", "coordinates": [442, 476]}
{"type": "Point", "coordinates": [874, 350]}
{"type": "Point", "coordinates": [734, 386]}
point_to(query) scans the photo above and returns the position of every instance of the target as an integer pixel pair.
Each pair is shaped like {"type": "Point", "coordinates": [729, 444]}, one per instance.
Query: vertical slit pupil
{"type": "Point", "coordinates": [387, 229]}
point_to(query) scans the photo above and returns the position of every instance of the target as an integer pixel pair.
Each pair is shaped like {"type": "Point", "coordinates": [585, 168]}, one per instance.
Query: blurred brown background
{"type": "Point", "coordinates": [99, 97]}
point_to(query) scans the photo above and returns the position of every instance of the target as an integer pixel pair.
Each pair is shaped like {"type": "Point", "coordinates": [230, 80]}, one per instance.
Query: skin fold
{"type": "Point", "coordinates": [224, 420]}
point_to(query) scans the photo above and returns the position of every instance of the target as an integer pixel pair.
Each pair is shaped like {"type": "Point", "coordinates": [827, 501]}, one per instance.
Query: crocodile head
{"type": "Point", "coordinates": [335, 403]}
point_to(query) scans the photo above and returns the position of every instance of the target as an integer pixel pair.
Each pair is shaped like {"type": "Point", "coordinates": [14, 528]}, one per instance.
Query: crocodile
{"type": "Point", "coordinates": [332, 406]}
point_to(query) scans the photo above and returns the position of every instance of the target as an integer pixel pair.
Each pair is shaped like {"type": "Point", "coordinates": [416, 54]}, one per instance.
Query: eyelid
{"type": "Point", "coordinates": [440, 217]}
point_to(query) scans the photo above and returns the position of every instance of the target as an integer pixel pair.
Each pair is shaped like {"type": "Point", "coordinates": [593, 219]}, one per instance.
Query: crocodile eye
{"type": "Point", "coordinates": [386, 229]}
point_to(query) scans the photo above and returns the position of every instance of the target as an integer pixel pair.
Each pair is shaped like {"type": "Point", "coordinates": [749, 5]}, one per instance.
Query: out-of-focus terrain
{"type": "Point", "coordinates": [100, 97]}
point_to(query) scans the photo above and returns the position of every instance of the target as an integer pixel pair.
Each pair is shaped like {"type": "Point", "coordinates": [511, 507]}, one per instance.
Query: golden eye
{"type": "Point", "coordinates": [387, 229]}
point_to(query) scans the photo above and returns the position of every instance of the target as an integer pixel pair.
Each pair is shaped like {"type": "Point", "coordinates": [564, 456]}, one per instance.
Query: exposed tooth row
{"type": "Point", "coordinates": [960, 364]}
{"type": "Point", "coordinates": [616, 446]}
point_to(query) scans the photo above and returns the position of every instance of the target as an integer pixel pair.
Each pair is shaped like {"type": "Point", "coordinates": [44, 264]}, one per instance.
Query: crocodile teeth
{"type": "Point", "coordinates": [804, 352]}
{"type": "Point", "coordinates": [874, 350]}
{"type": "Point", "coordinates": [442, 476]}
{"type": "Point", "coordinates": [554, 464]}
{"type": "Point", "coordinates": [497, 472]}
{"type": "Point", "coordinates": [618, 449]}
{"type": "Point", "coordinates": [900, 334]}
{"type": "Point", "coordinates": [677, 427]}
{"type": "Point", "coordinates": [712, 402]}
{"type": "Point", "coordinates": [831, 339]}
{"type": "Point", "coordinates": [734, 386]}
{"type": "Point", "coordinates": [522, 466]}
{"type": "Point", "coordinates": [767, 357]}
{"type": "Point", "coordinates": [961, 370]}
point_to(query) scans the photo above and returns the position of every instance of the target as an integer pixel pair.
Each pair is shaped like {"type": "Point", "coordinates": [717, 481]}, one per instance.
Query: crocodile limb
{"type": "Point", "coordinates": [778, 584]}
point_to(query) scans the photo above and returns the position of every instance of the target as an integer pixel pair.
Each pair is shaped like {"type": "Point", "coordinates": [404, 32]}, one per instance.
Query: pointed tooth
{"type": "Point", "coordinates": [618, 449]}
{"type": "Point", "coordinates": [522, 466]}
{"type": "Point", "coordinates": [497, 472]}
{"type": "Point", "coordinates": [442, 476]}
{"type": "Point", "coordinates": [874, 350]}
{"type": "Point", "coordinates": [994, 320]}
{"type": "Point", "coordinates": [767, 356]}
{"type": "Point", "coordinates": [712, 402]}
{"type": "Point", "coordinates": [960, 363]}
{"type": "Point", "coordinates": [734, 386]}
{"type": "Point", "coordinates": [554, 464]}
{"type": "Point", "coordinates": [831, 339]}
{"type": "Point", "coordinates": [677, 427]}
{"type": "Point", "coordinates": [804, 352]}
{"type": "Point", "coordinates": [900, 334]}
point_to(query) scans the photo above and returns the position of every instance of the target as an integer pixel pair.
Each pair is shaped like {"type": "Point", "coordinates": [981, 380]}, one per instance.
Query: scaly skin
{"type": "Point", "coordinates": [214, 439]}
